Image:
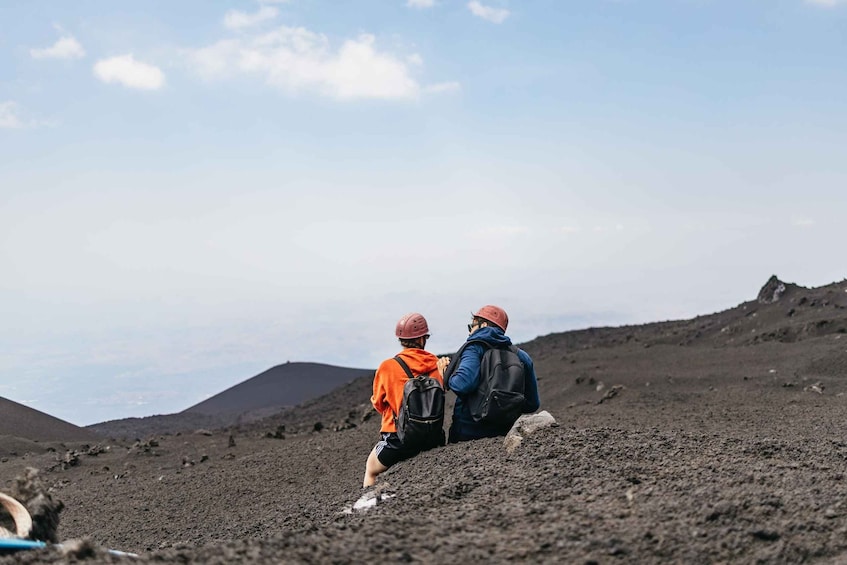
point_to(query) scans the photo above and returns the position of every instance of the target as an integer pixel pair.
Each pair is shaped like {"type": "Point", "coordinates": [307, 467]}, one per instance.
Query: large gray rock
{"type": "Point", "coordinates": [526, 425]}
{"type": "Point", "coordinates": [772, 291]}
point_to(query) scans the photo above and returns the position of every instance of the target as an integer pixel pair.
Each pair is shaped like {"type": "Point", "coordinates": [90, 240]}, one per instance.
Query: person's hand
{"type": "Point", "coordinates": [442, 364]}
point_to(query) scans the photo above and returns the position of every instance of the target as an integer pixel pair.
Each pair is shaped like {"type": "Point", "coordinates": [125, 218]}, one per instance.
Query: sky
{"type": "Point", "coordinates": [192, 192]}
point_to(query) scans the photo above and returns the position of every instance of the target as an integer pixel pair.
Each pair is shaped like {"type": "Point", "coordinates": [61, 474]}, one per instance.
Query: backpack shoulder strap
{"type": "Point", "coordinates": [457, 357]}
{"type": "Point", "coordinates": [408, 372]}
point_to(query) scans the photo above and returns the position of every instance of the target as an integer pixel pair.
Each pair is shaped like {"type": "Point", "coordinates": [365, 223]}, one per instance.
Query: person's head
{"type": "Point", "coordinates": [412, 330]}
{"type": "Point", "coordinates": [489, 316]}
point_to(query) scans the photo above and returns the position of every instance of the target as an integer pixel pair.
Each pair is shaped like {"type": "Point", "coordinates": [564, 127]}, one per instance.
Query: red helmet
{"type": "Point", "coordinates": [412, 325]}
{"type": "Point", "coordinates": [495, 315]}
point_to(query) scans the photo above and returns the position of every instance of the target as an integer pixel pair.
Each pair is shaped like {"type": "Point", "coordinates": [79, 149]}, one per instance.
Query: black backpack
{"type": "Point", "coordinates": [420, 421]}
{"type": "Point", "coordinates": [499, 399]}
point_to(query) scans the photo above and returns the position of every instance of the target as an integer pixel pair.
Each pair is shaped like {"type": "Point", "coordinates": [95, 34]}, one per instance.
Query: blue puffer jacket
{"type": "Point", "coordinates": [464, 379]}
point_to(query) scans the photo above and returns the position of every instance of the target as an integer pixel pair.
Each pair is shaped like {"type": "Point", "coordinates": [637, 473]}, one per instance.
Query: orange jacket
{"type": "Point", "coordinates": [390, 378]}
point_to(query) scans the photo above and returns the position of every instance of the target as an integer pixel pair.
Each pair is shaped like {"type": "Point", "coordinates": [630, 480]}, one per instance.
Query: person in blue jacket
{"type": "Point", "coordinates": [462, 375]}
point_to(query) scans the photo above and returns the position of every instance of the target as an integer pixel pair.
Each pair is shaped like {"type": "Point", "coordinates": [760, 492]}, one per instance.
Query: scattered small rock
{"type": "Point", "coordinates": [611, 393]}
{"type": "Point", "coordinates": [96, 450]}
{"type": "Point", "coordinates": [818, 387]}
{"type": "Point", "coordinates": [371, 497]}
{"type": "Point", "coordinates": [71, 459]}
{"type": "Point", "coordinates": [278, 434]}
{"type": "Point", "coordinates": [145, 446]}
{"type": "Point", "coordinates": [765, 535]}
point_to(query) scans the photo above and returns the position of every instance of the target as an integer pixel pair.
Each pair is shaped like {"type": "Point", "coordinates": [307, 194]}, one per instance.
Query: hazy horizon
{"type": "Point", "coordinates": [146, 395]}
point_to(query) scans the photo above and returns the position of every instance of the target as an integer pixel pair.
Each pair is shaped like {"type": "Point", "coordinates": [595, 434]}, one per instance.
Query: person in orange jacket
{"type": "Point", "coordinates": [413, 333]}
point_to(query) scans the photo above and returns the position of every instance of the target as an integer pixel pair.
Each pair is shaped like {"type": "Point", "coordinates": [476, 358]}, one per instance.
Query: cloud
{"type": "Point", "coordinates": [802, 222]}
{"type": "Point", "coordinates": [443, 87]}
{"type": "Point", "coordinates": [501, 231]}
{"type": "Point", "coordinates": [296, 59]}
{"type": "Point", "coordinates": [420, 3]}
{"type": "Point", "coordinates": [239, 20]}
{"type": "Point", "coordinates": [567, 229]}
{"type": "Point", "coordinates": [9, 116]}
{"type": "Point", "coordinates": [606, 229]}
{"type": "Point", "coordinates": [127, 71]}
{"type": "Point", "coordinates": [65, 48]}
{"type": "Point", "coordinates": [493, 15]}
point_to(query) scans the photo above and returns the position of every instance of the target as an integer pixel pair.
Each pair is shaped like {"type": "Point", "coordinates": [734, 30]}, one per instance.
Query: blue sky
{"type": "Point", "coordinates": [192, 192]}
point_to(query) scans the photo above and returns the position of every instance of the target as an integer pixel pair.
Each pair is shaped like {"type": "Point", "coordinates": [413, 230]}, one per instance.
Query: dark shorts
{"type": "Point", "coordinates": [390, 451]}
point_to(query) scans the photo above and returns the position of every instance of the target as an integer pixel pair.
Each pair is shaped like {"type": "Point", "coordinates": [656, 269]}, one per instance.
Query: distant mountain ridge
{"type": "Point", "coordinates": [782, 312]}
{"type": "Point", "coordinates": [23, 425]}
{"type": "Point", "coordinates": [268, 393]}
{"type": "Point", "coordinates": [284, 385]}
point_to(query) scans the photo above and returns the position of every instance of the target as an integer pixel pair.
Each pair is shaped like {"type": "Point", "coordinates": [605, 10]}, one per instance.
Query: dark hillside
{"type": "Point", "coordinates": [798, 313]}
{"type": "Point", "coordinates": [271, 392]}
{"type": "Point", "coordinates": [25, 427]}
{"type": "Point", "coordinates": [284, 385]}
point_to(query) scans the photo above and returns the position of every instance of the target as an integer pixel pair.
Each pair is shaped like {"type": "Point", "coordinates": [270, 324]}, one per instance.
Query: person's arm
{"type": "Point", "coordinates": [532, 401]}
{"type": "Point", "coordinates": [465, 379]}
{"type": "Point", "coordinates": [380, 394]}
{"type": "Point", "coordinates": [442, 364]}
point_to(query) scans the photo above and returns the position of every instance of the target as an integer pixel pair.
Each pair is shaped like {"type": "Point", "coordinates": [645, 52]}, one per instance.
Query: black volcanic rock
{"type": "Point", "coordinates": [772, 291]}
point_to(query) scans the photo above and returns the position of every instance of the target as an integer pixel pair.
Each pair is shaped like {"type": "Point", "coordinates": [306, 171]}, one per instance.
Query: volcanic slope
{"type": "Point", "coordinates": [268, 393]}
{"type": "Point", "coordinates": [278, 387]}
{"type": "Point", "coordinates": [717, 439]}
{"type": "Point", "coordinates": [24, 429]}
